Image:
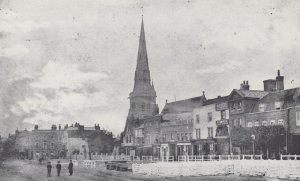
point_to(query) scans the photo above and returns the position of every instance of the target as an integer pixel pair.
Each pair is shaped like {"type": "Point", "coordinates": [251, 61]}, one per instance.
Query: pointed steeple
{"type": "Point", "coordinates": [143, 96]}
{"type": "Point", "coordinates": [142, 73]}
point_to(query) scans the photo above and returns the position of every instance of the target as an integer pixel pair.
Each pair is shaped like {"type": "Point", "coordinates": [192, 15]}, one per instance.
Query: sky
{"type": "Point", "coordinates": [67, 61]}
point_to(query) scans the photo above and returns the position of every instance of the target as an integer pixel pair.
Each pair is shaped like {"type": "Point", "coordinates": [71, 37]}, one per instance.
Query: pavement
{"type": "Point", "coordinates": [20, 170]}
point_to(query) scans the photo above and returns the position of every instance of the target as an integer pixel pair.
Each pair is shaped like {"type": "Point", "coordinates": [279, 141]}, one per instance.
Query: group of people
{"type": "Point", "coordinates": [58, 168]}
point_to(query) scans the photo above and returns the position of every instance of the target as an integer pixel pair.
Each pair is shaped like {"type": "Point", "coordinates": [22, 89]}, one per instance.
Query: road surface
{"type": "Point", "coordinates": [17, 170]}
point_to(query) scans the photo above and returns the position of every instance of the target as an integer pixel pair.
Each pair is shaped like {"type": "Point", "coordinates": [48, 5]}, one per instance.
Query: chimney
{"type": "Point", "coordinates": [245, 85]}
{"type": "Point", "coordinates": [36, 127]}
{"type": "Point", "coordinates": [269, 85]}
{"type": "Point", "coordinates": [166, 101]}
{"type": "Point", "coordinates": [59, 127]}
{"type": "Point", "coordinates": [279, 81]}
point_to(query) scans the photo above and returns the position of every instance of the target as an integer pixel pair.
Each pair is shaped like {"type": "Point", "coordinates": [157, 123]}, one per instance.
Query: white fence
{"type": "Point", "coordinates": [268, 168]}
{"type": "Point", "coordinates": [167, 159]}
{"type": "Point", "coordinates": [289, 157]}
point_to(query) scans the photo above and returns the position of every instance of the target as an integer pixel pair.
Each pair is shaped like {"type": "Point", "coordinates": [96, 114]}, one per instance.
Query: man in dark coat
{"type": "Point", "coordinates": [58, 168]}
{"type": "Point", "coordinates": [70, 168]}
{"type": "Point", "coordinates": [49, 166]}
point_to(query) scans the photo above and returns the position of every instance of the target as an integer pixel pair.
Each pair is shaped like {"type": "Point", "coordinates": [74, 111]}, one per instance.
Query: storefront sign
{"type": "Point", "coordinates": [222, 122]}
{"type": "Point", "coordinates": [221, 106]}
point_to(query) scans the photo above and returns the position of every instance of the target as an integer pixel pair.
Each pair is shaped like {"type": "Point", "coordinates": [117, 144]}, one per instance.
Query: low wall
{"type": "Point", "coordinates": [268, 168]}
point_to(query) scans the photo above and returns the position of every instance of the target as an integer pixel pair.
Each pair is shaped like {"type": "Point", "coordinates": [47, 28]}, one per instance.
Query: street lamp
{"type": "Point", "coordinates": [253, 138]}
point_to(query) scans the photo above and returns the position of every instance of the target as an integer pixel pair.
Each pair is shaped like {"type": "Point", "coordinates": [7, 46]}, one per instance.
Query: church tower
{"type": "Point", "coordinates": [143, 97]}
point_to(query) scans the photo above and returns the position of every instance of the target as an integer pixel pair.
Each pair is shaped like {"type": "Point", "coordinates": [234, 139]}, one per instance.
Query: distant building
{"type": "Point", "coordinates": [63, 143]}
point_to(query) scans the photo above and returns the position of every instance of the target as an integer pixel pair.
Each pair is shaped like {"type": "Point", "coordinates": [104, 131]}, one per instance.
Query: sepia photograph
{"type": "Point", "coordinates": [149, 90]}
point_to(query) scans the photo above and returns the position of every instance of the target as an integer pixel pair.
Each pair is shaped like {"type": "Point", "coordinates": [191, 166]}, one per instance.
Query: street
{"type": "Point", "coordinates": [16, 170]}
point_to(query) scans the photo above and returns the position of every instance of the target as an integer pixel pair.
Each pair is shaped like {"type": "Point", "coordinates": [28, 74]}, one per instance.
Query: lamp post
{"type": "Point", "coordinates": [253, 138]}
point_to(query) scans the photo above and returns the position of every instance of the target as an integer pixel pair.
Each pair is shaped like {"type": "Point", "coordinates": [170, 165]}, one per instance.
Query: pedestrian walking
{"type": "Point", "coordinates": [49, 166]}
{"type": "Point", "coordinates": [70, 167]}
{"type": "Point", "coordinates": [58, 168]}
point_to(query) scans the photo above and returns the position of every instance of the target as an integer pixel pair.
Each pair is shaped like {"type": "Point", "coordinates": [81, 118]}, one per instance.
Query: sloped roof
{"type": "Point", "coordinates": [251, 93]}
{"type": "Point", "coordinates": [186, 105]}
{"type": "Point", "coordinates": [216, 100]}
{"type": "Point", "coordinates": [289, 97]}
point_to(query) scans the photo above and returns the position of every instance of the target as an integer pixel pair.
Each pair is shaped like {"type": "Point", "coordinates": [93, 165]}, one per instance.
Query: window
{"type": "Point", "coordinates": [233, 105]}
{"type": "Point", "coordinates": [277, 105]}
{"type": "Point", "coordinates": [191, 136]}
{"type": "Point", "coordinates": [143, 107]}
{"type": "Point", "coordinates": [211, 147]}
{"type": "Point", "coordinates": [186, 136]}
{"type": "Point", "coordinates": [209, 115]}
{"type": "Point", "coordinates": [265, 123]}
{"type": "Point", "coordinates": [239, 105]}
{"type": "Point", "coordinates": [210, 132]}
{"type": "Point", "coordinates": [178, 136]}
{"type": "Point", "coordinates": [45, 145]}
{"type": "Point", "coordinates": [37, 144]}
{"type": "Point", "coordinates": [280, 122]}
{"type": "Point", "coordinates": [164, 137]}
{"type": "Point", "coordinates": [172, 136]}
{"type": "Point", "coordinates": [256, 123]}
{"type": "Point", "coordinates": [298, 118]}
{"type": "Point", "coordinates": [272, 122]}
{"type": "Point", "coordinates": [198, 133]}
{"type": "Point", "coordinates": [261, 107]}
{"type": "Point", "coordinates": [182, 136]}
{"type": "Point", "coordinates": [223, 114]}
{"type": "Point", "coordinates": [197, 119]}
{"type": "Point", "coordinates": [249, 124]}
{"type": "Point", "coordinates": [52, 145]}
{"type": "Point", "coordinates": [238, 122]}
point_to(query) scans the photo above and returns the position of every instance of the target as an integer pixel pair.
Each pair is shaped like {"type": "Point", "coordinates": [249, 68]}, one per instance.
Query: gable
{"type": "Point", "coordinates": [234, 95]}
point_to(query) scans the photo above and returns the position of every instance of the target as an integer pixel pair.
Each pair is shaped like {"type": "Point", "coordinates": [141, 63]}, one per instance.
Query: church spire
{"type": "Point", "coordinates": [143, 96]}
{"type": "Point", "coordinates": [142, 73]}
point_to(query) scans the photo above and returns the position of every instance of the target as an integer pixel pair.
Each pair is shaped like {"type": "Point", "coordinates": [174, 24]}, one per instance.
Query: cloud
{"type": "Point", "coordinates": [14, 51]}
{"type": "Point", "coordinates": [219, 68]}
{"type": "Point", "coordinates": [60, 93]}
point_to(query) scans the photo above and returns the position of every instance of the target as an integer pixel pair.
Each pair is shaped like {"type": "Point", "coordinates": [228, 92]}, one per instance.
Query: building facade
{"type": "Point", "coordinates": [63, 143]}
{"type": "Point", "coordinates": [210, 127]}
